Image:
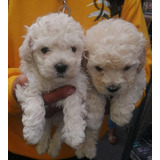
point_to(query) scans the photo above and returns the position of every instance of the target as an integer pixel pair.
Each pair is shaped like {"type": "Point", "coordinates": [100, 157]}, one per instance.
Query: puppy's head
{"type": "Point", "coordinates": [53, 46]}
{"type": "Point", "coordinates": [116, 54]}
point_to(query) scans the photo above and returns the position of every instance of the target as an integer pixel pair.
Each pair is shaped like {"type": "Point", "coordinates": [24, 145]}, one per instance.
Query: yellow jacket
{"type": "Point", "coordinates": [25, 12]}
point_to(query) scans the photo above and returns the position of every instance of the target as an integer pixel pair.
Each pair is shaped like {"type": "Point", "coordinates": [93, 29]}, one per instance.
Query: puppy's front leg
{"type": "Point", "coordinates": [88, 148]}
{"type": "Point", "coordinates": [33, 119]}
{"type": "Point", "coordinates": [74, 120]}
{"type": "Point", "coordinates": [95, 109]}
{"type": "Point", "coordinates": [121, 109]}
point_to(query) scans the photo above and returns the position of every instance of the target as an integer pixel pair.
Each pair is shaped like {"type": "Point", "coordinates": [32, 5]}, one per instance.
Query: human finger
{"type": "Point", "coordinates": [58, 94]}
{"type": "Point", "coordinates": [21, 79]}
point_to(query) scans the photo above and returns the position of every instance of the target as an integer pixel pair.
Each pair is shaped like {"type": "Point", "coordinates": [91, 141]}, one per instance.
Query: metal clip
{"type": "Point", "coordinates": [64, 7]}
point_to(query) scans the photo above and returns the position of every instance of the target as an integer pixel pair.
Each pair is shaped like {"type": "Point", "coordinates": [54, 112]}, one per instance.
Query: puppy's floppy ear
{"type": "Point", "coordinates": [142, 46]}
{"type": "Point", "coordinates": [84, 61]}
{"type": "Point", "coordinates": [26, 48]}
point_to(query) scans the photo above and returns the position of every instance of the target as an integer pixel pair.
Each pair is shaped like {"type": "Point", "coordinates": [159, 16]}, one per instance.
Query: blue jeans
{"type": "Point", "coordinates": [111, 124]}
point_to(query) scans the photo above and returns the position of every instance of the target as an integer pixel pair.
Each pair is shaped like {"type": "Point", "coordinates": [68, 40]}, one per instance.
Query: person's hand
{"type": "Point", "coordinates": [49, 98]}
{"type": "Point", "coordinates": [54, 96]}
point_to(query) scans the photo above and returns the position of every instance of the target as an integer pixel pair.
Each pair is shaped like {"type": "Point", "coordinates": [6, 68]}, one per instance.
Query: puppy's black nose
{"type": "Point", "coordinates": [61, 68]}
{"type": "Point", "coordinates": [113, 88]}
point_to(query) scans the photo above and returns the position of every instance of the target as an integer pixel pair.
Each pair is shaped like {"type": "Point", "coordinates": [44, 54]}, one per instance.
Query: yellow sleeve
{"type": "Point", "coordinates": [132, 12]}
{"type": "Point", "coordinates": [13, 106]}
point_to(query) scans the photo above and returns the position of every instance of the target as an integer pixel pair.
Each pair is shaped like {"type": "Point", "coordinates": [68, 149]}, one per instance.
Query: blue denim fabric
{"type": "Point", "coordinates": [111, 124]}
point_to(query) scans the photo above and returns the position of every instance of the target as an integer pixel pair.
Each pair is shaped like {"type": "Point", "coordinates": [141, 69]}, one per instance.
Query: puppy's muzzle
{"type": "Point", "coordinates": [61, 68]}
{"type": "Point", "coordinates": [113, 88]}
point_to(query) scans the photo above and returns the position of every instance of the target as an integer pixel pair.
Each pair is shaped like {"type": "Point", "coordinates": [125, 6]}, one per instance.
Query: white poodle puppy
{"type": "Point", "coordinates": [50, 58]}
{"type": "Point", "coordinates": [116, 65]}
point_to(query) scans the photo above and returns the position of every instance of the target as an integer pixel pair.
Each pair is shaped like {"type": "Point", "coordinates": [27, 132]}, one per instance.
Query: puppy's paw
{"type": "Point", "coordinates": [42, 146]}
{"type": "Point", "coordinates": [80, 152]}
{"type": "Point", "coordinates": [120, 119]}
{"type": "Point", "coordinates": [32, 135]}
{"type": "Point", "coordinates": [74, 139]}
{"type": "Point", "coordinates": [54, 148]}
{"type": "Point", "coordinates": [86, 150]}
{"type": "Point", "coordinates": [90, 152]}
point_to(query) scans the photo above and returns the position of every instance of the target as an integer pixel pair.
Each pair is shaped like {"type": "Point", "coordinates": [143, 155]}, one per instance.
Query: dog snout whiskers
{"type": "Point", "coordinates": [61, 68]}
{"type": "Point", "coordinates": [113, 88]}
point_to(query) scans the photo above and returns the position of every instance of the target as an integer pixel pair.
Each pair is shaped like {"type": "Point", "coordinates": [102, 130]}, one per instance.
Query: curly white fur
{"type": "Point", "coordinates": [54, 39]}
{"type": "Point", "coordinates": [116, 58]}
{"type": "Point", "coordinates": [116, 65]}
{"type": "Point", "coordinates": [51, 41]}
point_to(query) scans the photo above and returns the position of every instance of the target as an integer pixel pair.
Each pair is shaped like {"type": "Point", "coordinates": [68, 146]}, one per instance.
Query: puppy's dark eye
{"type": "Point", "coordinates": [126, 68]}
{"type": "Point", "coordinates": [74, 49]}
{"type": "Point", "coordinates": [98, 68]}
{"type": "Point", "coordinates": [45, 50]}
